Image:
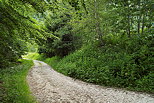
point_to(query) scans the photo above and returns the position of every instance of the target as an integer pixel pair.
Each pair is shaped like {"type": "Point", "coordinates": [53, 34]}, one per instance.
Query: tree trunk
{"type": "Point", "coordinates": [139, 18]}
{"type": "Point", "coordinates": [128, 19]}
{"type": "Point", "coordinates": [97, 24]}
{"type": "Point", "coordinates": [128, 30]}
{"type": "Point", "coordinates": [143, 24]}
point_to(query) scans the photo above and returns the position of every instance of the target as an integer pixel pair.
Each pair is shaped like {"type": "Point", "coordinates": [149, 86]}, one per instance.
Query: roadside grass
{"type": "Point", "coordinates": [33, 56]}
{"type": "Point", "coordinates": [36, 56]}
{"type": "Point", "coordinates": [13, 84]}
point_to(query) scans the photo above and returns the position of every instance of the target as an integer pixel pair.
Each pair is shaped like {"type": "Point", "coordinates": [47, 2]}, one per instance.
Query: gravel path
{"type": "Point", "coordinates": [49, 86]}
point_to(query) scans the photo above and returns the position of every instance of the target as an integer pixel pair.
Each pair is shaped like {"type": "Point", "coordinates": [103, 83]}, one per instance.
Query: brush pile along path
{"type": "Point", "coordinates": [49, 86]}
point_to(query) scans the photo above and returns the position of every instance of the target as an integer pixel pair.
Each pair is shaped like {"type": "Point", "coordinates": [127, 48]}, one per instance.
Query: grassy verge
{"type": "Point", "coordinates": [36, 56]}
{"type": "Point", "coordinates": [13, 85]}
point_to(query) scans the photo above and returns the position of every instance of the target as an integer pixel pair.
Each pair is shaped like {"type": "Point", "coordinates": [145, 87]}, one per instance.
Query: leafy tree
{"type": "Point", "coordinates": [57, 23]}
{"type": "Point", "coordinates": [17, 25]}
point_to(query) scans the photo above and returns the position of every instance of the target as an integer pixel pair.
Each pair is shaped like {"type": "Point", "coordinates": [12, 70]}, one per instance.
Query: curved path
{"type": "Point", "coordinates": [49, 86]}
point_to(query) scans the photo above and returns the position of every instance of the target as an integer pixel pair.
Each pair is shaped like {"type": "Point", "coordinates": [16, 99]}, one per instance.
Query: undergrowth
{"type": "Point", "coordinates": [13, 85]}
{"type": "Point", "coordinates": [122, 62]}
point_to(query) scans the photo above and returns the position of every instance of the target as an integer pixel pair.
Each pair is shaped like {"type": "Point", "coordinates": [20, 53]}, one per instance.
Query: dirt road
{"type": "Point", "coordinates": [49, 86]}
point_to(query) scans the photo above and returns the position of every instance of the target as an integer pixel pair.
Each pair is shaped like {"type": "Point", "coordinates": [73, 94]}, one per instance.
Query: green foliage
{"type": "Point", "coordinates": [112, 39]}
{"type": "Point", "coordinates": [13, 85]}
{"type": "Point", "coordinates": [122, 62]}
{"type": "Point", "coordinates": [32, 47]}
{"type": "Point", "coordinates": [11, 50]}
{"type": "Point", "coordinates": [58, 24]}
{"type": "Point", "coordinates": [17, 26]}
{"type": "Point", "coordinates": [34, 56]}
{"type": "Point", "coordinates": [61, 47]}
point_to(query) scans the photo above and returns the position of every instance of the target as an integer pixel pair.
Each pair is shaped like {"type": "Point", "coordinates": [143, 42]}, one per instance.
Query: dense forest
{"type": "Point", "coordinates": [106, 42]}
